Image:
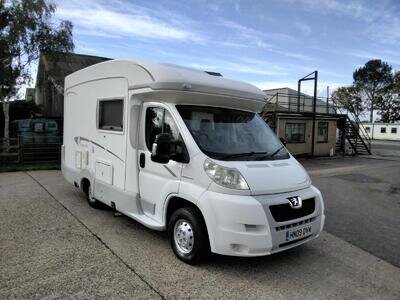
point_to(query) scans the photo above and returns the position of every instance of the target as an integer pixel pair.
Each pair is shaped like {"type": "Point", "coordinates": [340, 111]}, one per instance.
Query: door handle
{"type": "Point", "coordinates": [142, 160]}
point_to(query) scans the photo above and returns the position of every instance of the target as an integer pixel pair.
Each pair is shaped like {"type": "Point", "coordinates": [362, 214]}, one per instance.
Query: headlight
{"type": "Point", "coordinates": [227, 177]}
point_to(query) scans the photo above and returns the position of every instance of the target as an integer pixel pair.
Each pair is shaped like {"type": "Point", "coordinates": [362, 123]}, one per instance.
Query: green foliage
{"type": "Point", "coordinates": [349, 98]}
{"type": "Point", "coordinates": [26, 29]}
{"type": "Point", "coordinates": [374, 81]}
{"type": "Point", "coordinates": [390, 105]}
{"type": "Point", "coordinates": [375, 87]}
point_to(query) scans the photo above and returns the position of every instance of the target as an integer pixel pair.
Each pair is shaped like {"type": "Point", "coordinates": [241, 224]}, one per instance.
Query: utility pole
{"type": "Point", "coordinates": [327, 99]}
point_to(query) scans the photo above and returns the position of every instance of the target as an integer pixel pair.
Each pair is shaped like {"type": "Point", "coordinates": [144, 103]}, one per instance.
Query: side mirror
{"type": "Point", "coordinates": [161, 149]}
{"type": "Point", "coordinates": [283, 141]}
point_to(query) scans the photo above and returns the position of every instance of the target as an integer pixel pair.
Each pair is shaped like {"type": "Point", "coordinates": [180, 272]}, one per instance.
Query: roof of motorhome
{"type": "Point", "coordinates": [166, 77]}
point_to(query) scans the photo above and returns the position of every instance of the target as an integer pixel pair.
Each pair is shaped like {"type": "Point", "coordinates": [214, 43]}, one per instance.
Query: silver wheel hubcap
{"type": "Point", "coordinates": [183, 236]}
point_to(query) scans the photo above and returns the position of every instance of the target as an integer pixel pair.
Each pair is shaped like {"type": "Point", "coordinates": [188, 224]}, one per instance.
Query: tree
{"type": "Point", "coordinates": [349, 98]}
{"type": "Point", "coordinates": [373, 80]}
{"type": "Point", "coordinates": [389, 107]}
{"type": "Point", "coordinates": [26, 30]}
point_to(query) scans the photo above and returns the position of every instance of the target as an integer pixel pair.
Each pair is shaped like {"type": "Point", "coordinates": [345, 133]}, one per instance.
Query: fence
{"type": "Point", "coordinates": [22, 150]}
{"type": "Point", "coordinates": [9, 150]}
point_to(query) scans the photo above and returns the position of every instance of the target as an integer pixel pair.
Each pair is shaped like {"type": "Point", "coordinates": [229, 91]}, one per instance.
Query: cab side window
{"type": "Point", "coordinates": [159, 120]}
{"type": "Point", "coordinates": [154, 124]}
{"type": "Point", "coordinates": [170, 126]}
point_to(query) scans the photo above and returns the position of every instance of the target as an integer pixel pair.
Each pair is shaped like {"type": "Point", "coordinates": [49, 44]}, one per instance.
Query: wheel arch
{"type": "Point", "coordinates": [175, 202]}
{"type": "Point", "coordinates": [85, 185]}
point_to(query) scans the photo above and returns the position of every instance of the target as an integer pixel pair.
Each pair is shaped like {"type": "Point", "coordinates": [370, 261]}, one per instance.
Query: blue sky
{"type": "Point", "coordinates": [267, 43]}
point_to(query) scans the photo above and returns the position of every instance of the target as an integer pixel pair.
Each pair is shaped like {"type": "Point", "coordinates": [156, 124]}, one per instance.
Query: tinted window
{"type": "Point", "coordinates": [295, 132]}
{"type": "Point", "coordinates": [170, 126]}
{"type": "Point", "coordinates": [394, 130]}
{"type": "Point", "coordinates": [383, 129]}
{"type": "Point", "coordinates": [228, 134]}
{"type": "Point", "coordinates": [111, 114]}
{"type": "Point", "coordinates": [154, 124]}
{"type": "Point", "coordinates": [159, 120]}
{"type": "Point", "coordinates": [367, 129]}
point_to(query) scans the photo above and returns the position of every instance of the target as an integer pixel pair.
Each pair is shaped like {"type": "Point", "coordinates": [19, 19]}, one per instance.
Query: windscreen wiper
{"type": "Point", "coordinates": [242, 154]}
{"type": "Point", "coordinates": [273, 153]}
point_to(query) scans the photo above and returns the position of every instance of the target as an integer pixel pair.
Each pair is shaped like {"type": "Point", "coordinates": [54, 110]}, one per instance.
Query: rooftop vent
{"type": "Point", "coordinates": [213, 73]}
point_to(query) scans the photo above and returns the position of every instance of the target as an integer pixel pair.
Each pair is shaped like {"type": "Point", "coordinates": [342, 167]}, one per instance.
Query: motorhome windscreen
{"type": "Point", "coordinates": [228, 134]}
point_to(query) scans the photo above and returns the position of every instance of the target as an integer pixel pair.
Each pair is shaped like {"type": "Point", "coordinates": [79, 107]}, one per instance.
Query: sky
{"type": "Point", "coordinates": [268, 43]}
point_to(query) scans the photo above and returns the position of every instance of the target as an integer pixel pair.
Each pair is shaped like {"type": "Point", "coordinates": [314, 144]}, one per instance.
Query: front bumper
{"type": "Point", "coordinates": [244, 226]}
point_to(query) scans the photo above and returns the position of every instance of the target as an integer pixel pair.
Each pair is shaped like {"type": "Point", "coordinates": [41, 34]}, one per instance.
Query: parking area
{"type": "Point", "coordinates": [386, 148]}
{"type": "Point", "coordinates": [52, 244]}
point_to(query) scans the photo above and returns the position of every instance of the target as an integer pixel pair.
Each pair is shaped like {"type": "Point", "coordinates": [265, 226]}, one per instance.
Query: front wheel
{"type": "Point", "coordinates": [188, 235]}
{"type": "Point", "coordinates": [91, 200]}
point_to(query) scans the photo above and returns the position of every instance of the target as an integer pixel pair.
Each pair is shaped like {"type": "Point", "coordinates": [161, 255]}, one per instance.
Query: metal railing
{"type": "Point", "coordinates": [9, 150]}
{"type": "Point", "coordinates": [356, 124]}
{"type": "Point", "coordinates": [283, 102]}
{"type": "Point", "coordinates": [304, 104]}
{"type": "Point", "coordinates": [28, 150]}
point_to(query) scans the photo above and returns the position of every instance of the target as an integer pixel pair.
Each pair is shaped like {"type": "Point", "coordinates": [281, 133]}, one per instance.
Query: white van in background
{"type": "Point", "coordinates": [185, 151]}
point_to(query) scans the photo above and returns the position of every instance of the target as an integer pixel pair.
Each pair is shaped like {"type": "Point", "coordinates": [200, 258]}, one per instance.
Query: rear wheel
{"type": "Point", "coordinates": [188, 235]}
{"type": "Point", "coordinates": [91, 200]}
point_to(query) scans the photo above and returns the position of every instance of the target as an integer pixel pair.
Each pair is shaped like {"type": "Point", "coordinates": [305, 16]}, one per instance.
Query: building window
{"type": "Point", "coordinates": [295, 132]}
{"type": "Point", "coordinates": [322, 132]}
{"type": "Point", "coordinates": [393, 130]}
{"type": "Point", "coordinates": [111, 114]}
{"type": "Point", "coordinates": [368, 129]}
{"type": "Point", "coordinates": [383, 129]}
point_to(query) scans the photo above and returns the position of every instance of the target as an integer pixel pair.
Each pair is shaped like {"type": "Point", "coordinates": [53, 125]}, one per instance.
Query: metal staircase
{"type": "Point", "coordinates": [348, 123]}
{"type": "Point", "coordinates": [349, 130]}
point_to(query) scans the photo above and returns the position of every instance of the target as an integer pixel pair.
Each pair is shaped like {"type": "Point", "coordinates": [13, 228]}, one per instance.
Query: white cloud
{"type": "Point", "coordinates": [237, 6]}
{"type": "Point", "coordinates": [98, 18]}
{"type": "Point", "coordinates": [256, 38]}
{"type": "Point", "coordinates": [309, 90]}
{"type": "Point", "coordinates": [84, 48]}
{"type": "Point", "coordinates": [304, 28]}
{"type": "Point", "coordinates": [372, 55]}
{"type": "Point", "coordinates": [243, 65]}
{"type": "Point", "coordinates": [382, 18]}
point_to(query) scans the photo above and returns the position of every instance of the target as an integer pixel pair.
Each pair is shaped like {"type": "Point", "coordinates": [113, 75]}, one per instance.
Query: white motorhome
{"type": "Point", "coordinates": [185, 151]}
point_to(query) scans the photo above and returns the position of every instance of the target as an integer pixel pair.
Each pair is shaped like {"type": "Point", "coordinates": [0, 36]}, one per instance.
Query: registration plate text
{"type": "Point", "coordinates": [297, 233]}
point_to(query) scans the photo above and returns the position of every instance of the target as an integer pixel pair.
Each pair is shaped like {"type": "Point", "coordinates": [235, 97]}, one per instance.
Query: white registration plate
{"type": "Point", "coordinates": [297, 233]}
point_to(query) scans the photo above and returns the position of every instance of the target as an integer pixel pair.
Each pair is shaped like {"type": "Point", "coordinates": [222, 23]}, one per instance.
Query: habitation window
{"type": "Point", "coordinates": [383, 129]}
{"type": "Point", "coordinates": [393, 130]}
{"type": "Point", "coordinates": [368, 129]}
{"type": "Point", "coordinates": [295, 132]}
{"type": "Point", "coordinates": [322, 132]}
{"type": "Point", "coordinates": [111, 114]}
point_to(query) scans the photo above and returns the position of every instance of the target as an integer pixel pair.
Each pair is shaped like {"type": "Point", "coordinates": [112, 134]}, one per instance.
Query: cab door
{"type": "Point", "coordinates": [156, 180]}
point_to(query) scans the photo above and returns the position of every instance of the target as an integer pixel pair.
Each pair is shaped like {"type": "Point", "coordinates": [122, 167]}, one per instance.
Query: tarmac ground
{"type": "Point", "coordinates": [53, 245]}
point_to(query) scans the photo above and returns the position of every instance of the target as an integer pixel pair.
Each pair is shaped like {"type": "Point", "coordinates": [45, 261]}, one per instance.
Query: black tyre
{"type": "Point", "coordinates": [188, 235]}
{"type": "Point", "coordinates": [91, 200]}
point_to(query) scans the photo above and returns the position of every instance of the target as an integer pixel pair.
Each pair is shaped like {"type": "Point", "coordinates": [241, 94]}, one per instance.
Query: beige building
{"type": "Point", "coordinates": [291, 116]}
{"type": "Point", "coordinates": [296, 130]}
